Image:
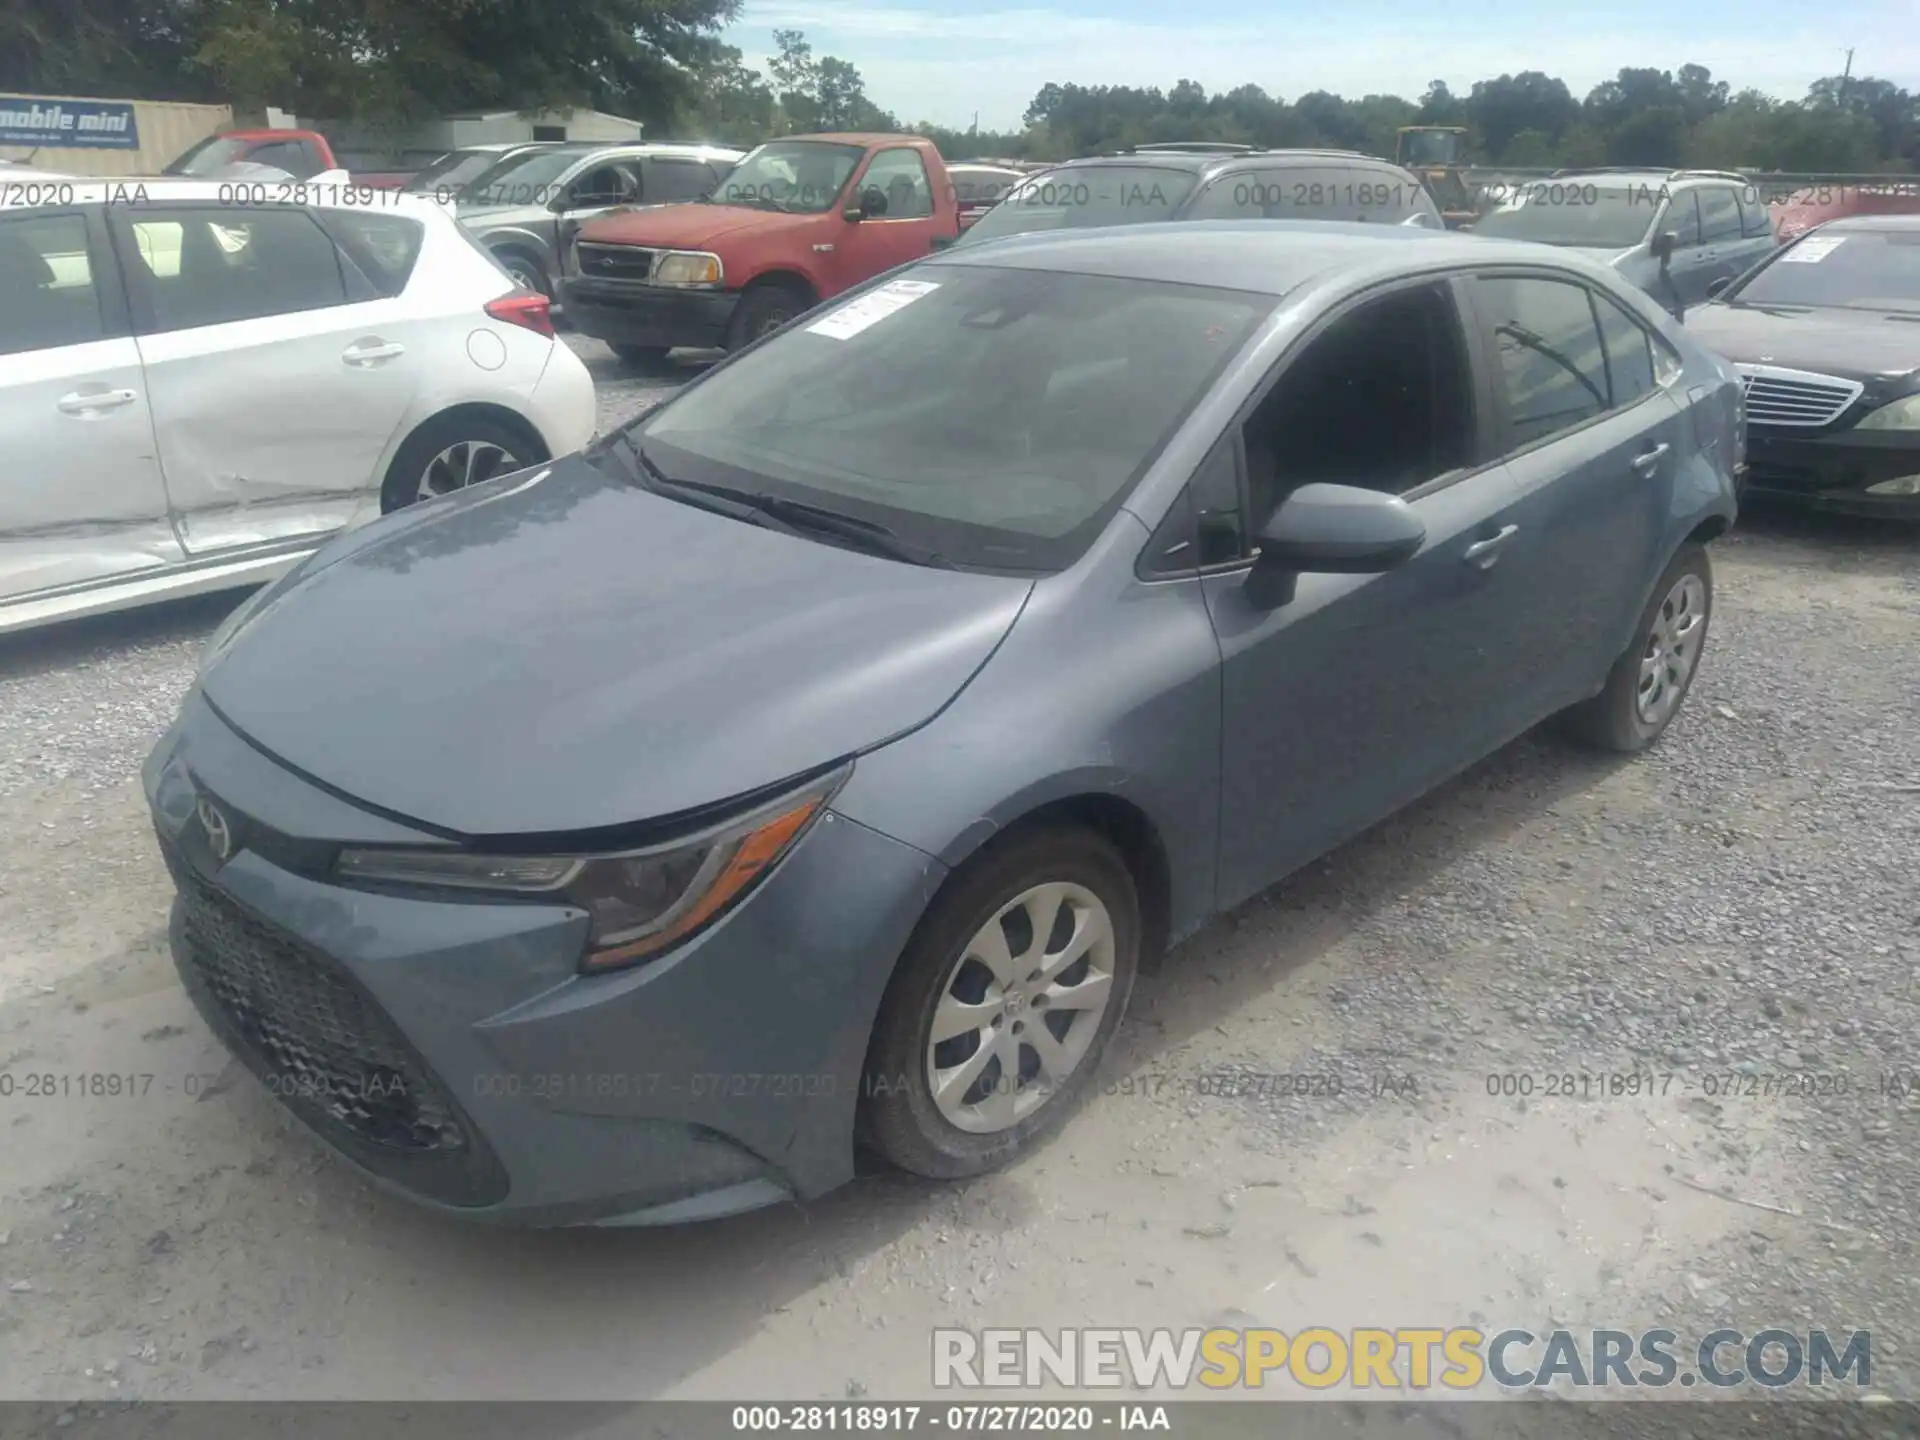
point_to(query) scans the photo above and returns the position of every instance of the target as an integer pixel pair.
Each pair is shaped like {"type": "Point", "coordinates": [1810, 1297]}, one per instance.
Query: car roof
{"type": "Point", "coordinates": [1897, 223]}
{"type": "Point", "coordinates": [1212, 162]}
{"type": "Point", "coordinates": [1267, 257]}
{"type": "Point", "coordinates": [852, 137]}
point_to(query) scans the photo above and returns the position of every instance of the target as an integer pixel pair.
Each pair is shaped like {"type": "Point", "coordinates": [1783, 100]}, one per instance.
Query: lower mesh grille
{"type": "Point", "coordinates": [317, 1040]}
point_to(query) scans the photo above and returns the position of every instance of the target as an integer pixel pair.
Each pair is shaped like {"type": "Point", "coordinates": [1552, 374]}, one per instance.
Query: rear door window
{"type": "Point", "coordinates": [215, 266]}
{"type": "Point", "coordinates": [384, 247]}
{"type": "Point", "coordinates": [48, 296]}
{"type": "Point", "coordinates": [1719, 214]}
{"type": "Point", "coordinates": [1682, 216]}
{"type": "Point", "coordinates": [1552, 362]}
{"type": "Point", "coordinates": [1755, 221]}
{"type": "Point", "coordinates": [1629, 354]}
{"type": "Point", "coordinates": [672, 180]}
{"type": "Point", "coordinates": [1300, 192]}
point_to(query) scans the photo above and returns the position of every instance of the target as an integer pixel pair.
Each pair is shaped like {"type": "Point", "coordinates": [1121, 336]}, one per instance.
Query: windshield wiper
{"type": "Point", "coordinates": [739, 504]}
{"type": "Point", "coordinates": [868, 535]}
{"type": "Point", "coordinates": [776, 512]}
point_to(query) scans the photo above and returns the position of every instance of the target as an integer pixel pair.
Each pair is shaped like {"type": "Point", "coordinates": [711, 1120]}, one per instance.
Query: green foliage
{"type": "Point", "coordinates": [660, 61]}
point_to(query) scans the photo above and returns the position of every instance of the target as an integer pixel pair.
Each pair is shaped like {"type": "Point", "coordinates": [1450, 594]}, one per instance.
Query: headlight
{"type": "Point", "coordinates": [687, 267]}
{"type": "Point", "coordinates": [641, 902]}
{"type": "Point", "coordinates": [1900, 415]}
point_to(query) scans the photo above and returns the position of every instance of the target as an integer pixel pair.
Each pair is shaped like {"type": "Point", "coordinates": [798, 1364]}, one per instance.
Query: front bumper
{"type": "Point", "coordinates": [1832, 472]}
{"type": "Point", "coordinates": [625, 313]}
{"type": "Point", "coordinates": [449, 1049]}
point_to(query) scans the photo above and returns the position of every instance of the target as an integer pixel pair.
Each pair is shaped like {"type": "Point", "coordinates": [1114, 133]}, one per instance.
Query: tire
{"type": "Point", "coordinates": [900, 1117]}
{"type": "Point", "coordinates": [1615, 718]}
{"type": "Point", "coordinates": [430, 444]}
{"type": "Point", "coordinates": [526, 270]}
{"type": "Point", "coordinates": [651, 357]}
{"type": "Point", "coordinates": [764, 309]}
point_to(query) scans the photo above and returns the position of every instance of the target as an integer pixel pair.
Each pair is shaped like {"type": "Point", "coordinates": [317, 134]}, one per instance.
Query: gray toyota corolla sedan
{"type": "Point", "coordinates": [814, 761]}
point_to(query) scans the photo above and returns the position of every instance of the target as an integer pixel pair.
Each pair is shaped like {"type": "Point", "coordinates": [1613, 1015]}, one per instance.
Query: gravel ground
{"type": "Point", "coordinates": [1736, 906]}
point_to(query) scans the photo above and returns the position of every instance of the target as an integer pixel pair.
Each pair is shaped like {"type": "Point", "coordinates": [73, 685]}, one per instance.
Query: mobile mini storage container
{"type": "Point", "coordinates": [75, 135]}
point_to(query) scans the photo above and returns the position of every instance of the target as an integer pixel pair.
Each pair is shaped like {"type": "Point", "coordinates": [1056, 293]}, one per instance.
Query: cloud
{"type": "Point", "coordinates": [923, 64]}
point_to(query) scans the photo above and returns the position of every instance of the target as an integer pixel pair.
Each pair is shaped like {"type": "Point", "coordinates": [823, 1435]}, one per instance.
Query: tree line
{"type": "Point", "coordinates": [375, 62]}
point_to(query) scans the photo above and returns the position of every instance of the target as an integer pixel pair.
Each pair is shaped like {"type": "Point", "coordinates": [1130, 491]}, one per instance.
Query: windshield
{"type": "Point", "coordinates": [802, 177]}
{"type": "Point", "coordinates": [1574, 212]}
{"type": "Point", "coordinates": [454, 169]}
{"type": "Point", "coordinates": [996, 417]}
{"type": "Point", "coordinates": [526, 179]}
{"type": "Point", "coordinates": [1857, 270]}
{"type": "Point", "coordinates": [209, 157]}
{"type": "Point", "coordinates": [1076, 197]}
{"type": "Point", "coordinates": [1429, 147]}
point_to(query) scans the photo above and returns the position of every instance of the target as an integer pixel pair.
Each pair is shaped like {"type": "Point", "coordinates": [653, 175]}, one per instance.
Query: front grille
{"type": "Point", "coordinates": [315, 1038]}
{"type": "Point", "coordinates": [615, 262]}
{"type": "Point", "coordinates": [1795, 399]}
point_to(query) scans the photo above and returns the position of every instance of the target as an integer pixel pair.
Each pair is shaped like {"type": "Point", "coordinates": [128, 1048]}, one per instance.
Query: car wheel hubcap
{"type": "Point", "coordinates": [1672, 649]}
{"type": "Point", "coordinates": [467, 463]}
{"type": "Point", "coordinates": [1020, 1007]}
{"type": "Point", "coordinates": [527, 278]}
{"type": "Point", "coordinates": [773, 322]}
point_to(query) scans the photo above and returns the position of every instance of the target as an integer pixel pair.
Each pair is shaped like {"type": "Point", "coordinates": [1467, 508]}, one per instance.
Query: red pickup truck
{"type": "Point", "coordinates": [796, 222]}
{"type": "Point", "coordinates": [302, 154]}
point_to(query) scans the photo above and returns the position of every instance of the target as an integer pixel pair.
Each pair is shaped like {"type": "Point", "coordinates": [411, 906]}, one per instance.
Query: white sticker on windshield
{"type": "Point", "coordinates": [850, 319]}
{"type": "Point", "coordinates": [1813, 249]}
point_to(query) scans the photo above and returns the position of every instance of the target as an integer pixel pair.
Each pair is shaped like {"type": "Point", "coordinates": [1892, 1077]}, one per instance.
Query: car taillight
{"type": "Point", "coordinates": [530, 312]}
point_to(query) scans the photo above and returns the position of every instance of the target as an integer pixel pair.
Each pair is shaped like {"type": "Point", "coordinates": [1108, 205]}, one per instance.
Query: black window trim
{"type": "Point", "coordinates": [133, 269]}
{"type": "Point", "coordinates": [1483, 337]}
{"type": "Point", "coordinates": [109, 284]}
{"type": "Point", "coordinates": [1450, 278]}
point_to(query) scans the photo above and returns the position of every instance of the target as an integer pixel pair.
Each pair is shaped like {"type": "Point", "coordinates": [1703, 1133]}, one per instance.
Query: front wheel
{"type": "Point", "coordinates": [763, 310]}
{"type": "Point", "coordinates": [1647, 684]}
{"type": "Point", "coordinates": [1002, 1005]}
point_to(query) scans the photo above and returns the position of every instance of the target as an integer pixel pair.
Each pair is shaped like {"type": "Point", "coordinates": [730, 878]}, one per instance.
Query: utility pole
{"type": "Point", "coordinates": [1845, 75]}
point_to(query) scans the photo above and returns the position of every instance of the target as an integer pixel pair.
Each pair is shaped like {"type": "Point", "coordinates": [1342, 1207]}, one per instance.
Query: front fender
{"type": "Point", "coordinates": [1106, 688]}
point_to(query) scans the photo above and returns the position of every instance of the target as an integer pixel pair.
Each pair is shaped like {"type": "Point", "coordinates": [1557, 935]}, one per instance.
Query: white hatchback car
{"type": "Point", "coordinates": [199, 385]}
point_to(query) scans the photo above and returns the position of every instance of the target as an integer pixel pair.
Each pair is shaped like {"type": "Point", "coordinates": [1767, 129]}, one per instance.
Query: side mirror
{"type": "Point", "coordinates": [1718, 287]}
{"type": "Point", "coordinates": [1331, 530]}
{"type": "Point", "coordinates": [1663, 245]}
{"type": "Point", "coordinates": [872, 202]}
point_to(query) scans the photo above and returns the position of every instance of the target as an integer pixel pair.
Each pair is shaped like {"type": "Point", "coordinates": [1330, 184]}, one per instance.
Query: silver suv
{"type": "Point", "coordinates": [522, 207]}
{"type": "Point", "coordinates": [1620, 217]}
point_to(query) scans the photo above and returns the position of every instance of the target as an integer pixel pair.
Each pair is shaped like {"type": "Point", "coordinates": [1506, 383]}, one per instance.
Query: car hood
{"type": "Point", "coordinates": [1855, 344]}
{"type": "Point", "coordinates": [538, 656]}
{"type": "Point", "coordinates": [690, 227]}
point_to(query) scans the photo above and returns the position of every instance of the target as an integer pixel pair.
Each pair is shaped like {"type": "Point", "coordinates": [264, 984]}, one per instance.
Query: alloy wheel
{"type": "Point", "coordinates": [1020, 1007]}
{"type": "Point", "coordinates": [464, 463]}
{"type": "Point", "coordinates": [1672, 650]}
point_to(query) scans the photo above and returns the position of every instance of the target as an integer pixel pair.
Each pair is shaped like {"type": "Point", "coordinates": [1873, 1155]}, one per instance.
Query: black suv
{"type": "Point", "coordinates": [1211, 182]}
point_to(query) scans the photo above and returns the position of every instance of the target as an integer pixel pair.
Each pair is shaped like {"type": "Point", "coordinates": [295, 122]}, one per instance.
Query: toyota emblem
{"type": "Point", "coordinates": [219, 837]}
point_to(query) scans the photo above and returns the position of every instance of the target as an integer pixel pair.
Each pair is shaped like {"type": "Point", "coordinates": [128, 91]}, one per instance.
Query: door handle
{"type": "Point", "coordinates": [371, 351]}
{"type": "Point", "coordinates": [1484, 552]}
{"type": "Point", "coordinates": [91, 402]}
{"type": "Point", "coordinates": [1645, 463]}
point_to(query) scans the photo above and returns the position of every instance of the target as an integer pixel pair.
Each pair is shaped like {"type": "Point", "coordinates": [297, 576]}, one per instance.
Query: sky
{"type": "Point", "coordinates": [927, 60]}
